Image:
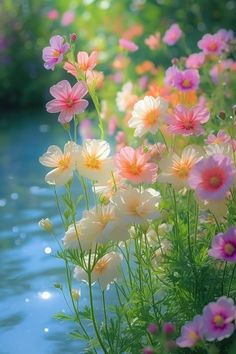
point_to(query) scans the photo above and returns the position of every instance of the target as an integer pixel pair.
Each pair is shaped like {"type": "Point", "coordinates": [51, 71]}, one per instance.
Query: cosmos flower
{"type": "Point", "coordinates": [191, 333]}
{"type": "Point", "coordinates": [195, 60]}
{"type": "Point", "coordinates": [125, 98]}
{"type": "Point", "coordinates": [224, 246]}
{"type": "Point", "coordinates": [85, 63]}
{"type": "Point", "coordinates": [188, 121]}
{"type": "Point", "coordinates": [148, 114]}
{"type": "Point", "coordinates": [220, 138]}
{"type": "Point", "coordinates": [128, 45]}
{"type": "Point", "coordinates": [134, 165]}
{"type": "Point", "coordinates": [211, 177]}
{"type": "Point", "coordinates": [68, 100]}
{"type": "Point", "coordinates": [63, 163]}
{"type": "Point", "coordinates": [172, 35]}
{"type": "Point", "coordinates": [136, 207]}
{"type": "Point", "coordinates": [217, 319]}
{"type": "Point", "coordinates": [93, 160]}
{"type": "Point", "coordinates": [176, 169]}
{"type": "Point", "coordinates": [55, 53]}
{"type": "Point", "coordinates": [186, 80]}
{"type": "Point", "coordinates": [105, 271]}
{"type": "Point", "coordinates": [153, 41]}
{"type": "Point", "coordinates": [212, 44]}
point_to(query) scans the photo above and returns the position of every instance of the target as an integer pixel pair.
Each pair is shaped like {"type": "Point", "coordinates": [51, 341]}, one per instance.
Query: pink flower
{"type": "Point", "coordinates": [187, 121]}
{"type": "Point", "coordinates": [217, 319]}
{"type": "Point", "coordinates": [168, 328]}
{"type": "Point", "coordinates": [128, 45]}
{"type": "Point", "coordinates": [224, 246]}
{"type": "Point", "coordinates": [170, 75]}
{"type": "Point", "coordinates": [212, 44]}
{"type": "Point", "coordinates": [134, 166]}
{"type": "Point", "coordinates": [85, 63]}
{"type": "Point", "coordinates": [220, 138]}
{"type": "Point", "coordinates": [186, 80]}
{"type": "Point", "coordinates": [52, 14]}
{"type": "Point", "coordinates": [152, 328]}
{"type": "Point", "coordinates": [172, 35]}
{"type": "Point", "coordinates": [68, 100]}
{"type": "Point", "coordinates": [195, 60]}
{"type": "Point", "coordinates": [226, 35]}
{"type": "Point", "coordinates": [54, 54]}
{"type": "Point", "coordinates": [153, 41]}
{"type": "Point", "coordinates": [191, 333]}
{"type": "Point", "coordinates": [220, 68]}
{"type": "Point", "coordinates": [112, 124]}
{"type": "Point", "coordinates": [212, 177]}
{"type": "Point", "coordinates": [67, 18]}
{"type": "Point", "coordinates": [148, 350]}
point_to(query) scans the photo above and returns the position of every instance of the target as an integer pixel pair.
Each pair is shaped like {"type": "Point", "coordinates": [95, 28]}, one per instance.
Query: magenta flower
{"type": "Point", "coordinates": [187, 121]}
{"type": "Point", "coordinates": [168, 328]}
{"type": "Point", "coordinates": [54, 54]}
{"type": "Point", "coordinates": [212, 177]}
{"type": "Point", "coordinates": [191, 333]}
{"type": "Point", "coordinates": [152, 328]}
{"type": "Point", "coordinates": [68, 100]}
{"type": "Point", "coordinates": [212, 44]}
{"type": "Point", "coordinates": [187, 80]}
{"type": "Point", "coordinates": [195, 60]}
{"type": "Point", "coordinates": [172, 35]}
{"type": "Point", "coordinates": [217, 319]}
{"type": "Point", "coordinates": [224, 246]}
{"type": "Point", "coordinates": [128, 45]}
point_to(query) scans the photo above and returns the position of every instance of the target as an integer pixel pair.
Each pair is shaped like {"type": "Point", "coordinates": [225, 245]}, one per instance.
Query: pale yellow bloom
{"type": "Point", "coordinates": [93, 161]}
{"type": "Point", "coordinates": [175, 169]}
{"type": "Point", "coordinates": [105, 271]}
{"type": "Point", "coordinates": [78, 237]}
{"type": "Point", "coordinates": [63, 163]}
{"type": "Point", "coordinates": [46, 224]}
{"type": "Point", "coordinates": [148, 115]}
{"type": "Point", "coordinates": [136, 207]}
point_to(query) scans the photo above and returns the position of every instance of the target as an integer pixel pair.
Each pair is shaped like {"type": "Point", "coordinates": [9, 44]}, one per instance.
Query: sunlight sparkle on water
{"type": "Point", "coordinates": [45, 295]}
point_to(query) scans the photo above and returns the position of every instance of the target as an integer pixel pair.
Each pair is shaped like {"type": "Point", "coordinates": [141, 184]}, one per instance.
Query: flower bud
{"type": "Point", "coordinates": [148, 350]}
{"type": "Point", "coordinates": [76, 294]}
{"type": "Point", "coordinates": [46, 224]}
{"type": "Point", "coordinates": [168, 328]}
{"type": "Point", "coordinates": [222, 115]}
{"type": "Point", "coordinates": [175, 61]}
{"type": "Point", "coordinates": [73, 37]}
{"type": "Point", "coordinates": [152, 328]}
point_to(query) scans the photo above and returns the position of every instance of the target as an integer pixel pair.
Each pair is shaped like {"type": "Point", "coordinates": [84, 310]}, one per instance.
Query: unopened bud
{"type": "Point", "coordinates": [73, 37]}
{"type": "Point", "coordinates": [168, 328]}
{"type": "Point", "coordinates": [152, 328]}
{"type": "Point", "coordinates": [46, 224]}
{"type": "Point", "coordinates": [148, 350]}
{"type": "Point", "coordinates": [175, 61]}
{"type": "Point", "coordinates": [222, 115]}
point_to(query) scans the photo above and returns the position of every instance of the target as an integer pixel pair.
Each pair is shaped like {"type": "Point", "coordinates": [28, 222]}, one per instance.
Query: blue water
{"type": "Point", "coordinates": [28, 298]}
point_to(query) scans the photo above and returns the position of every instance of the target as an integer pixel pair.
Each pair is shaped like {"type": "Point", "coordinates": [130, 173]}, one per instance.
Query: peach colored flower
{"type": "Point", "coordinates": [153, 41]}
{"type": "Point", "coordinates": [134, 165]}
{"type": "Point", "coordinates": [148, 114]}
{"type": "Point", "coordinates": [175, 169]}
{"type": "Point", "coordinates": [85, 63]}
{"type": "Point", "coordinates": [63, 164]}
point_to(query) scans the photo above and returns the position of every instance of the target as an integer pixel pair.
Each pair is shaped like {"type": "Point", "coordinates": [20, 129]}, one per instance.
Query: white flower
{"type": "Point", "coordinates": [103, 223]}
{"type": "Point", "coordinates": [63, 163]}
{"type": "Point", "coordinates": [148, 114]}
{"type": "Point", "coordinates": [134, 206]}
{"type": "Point", "coordinates": [93, 161]}
{"type": "Point", "coordinates": [46, 224]}
{"type": "Point", "coordinates": [79, 237]}
{"type": "Point", "coordinates": [175, 169]}
{"type": "Point", "coordinates": [125, 98]}
{"type": "Point", "coordinates": [105, 270]}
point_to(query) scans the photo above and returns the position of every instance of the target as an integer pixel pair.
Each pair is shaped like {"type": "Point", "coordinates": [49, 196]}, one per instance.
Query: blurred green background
{"type": "Point", "coordinates": [27, 25]}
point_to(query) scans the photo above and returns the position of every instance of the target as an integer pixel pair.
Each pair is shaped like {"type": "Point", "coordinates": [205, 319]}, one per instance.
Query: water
{"type": "Point", "coordinates": [28, 298]}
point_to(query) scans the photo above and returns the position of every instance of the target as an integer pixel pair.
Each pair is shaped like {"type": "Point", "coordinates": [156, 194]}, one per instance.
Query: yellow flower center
{"type": "Point", "coordinates": [212, 46]}
{"type": "Point", "coordinates": [193, 335]}
{"type": "Point", "coordinates": [215, 181]}
{"type": "Point", "coordinates": [229, 248]}
{"type": "Point", "coordinates": [219, 320]}
{"type": "Point", "coordinates": [56, 53]}
{"type": "Point", "coordinates": [151, 117]}
{"type": "Point", "coordinates": [182, 168]}
{"type": "Point", "coordinates": [186, 83]}
{"type": "Point", "coordinates": [101, 265]}
{"type": "Point", "coordinates": [65, 162]}
{"type": "Point", "coordinates": [91, 161]}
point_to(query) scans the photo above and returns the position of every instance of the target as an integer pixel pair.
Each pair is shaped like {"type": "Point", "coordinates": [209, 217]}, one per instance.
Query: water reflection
{"type": "Point", "coordinates": [28, 268]}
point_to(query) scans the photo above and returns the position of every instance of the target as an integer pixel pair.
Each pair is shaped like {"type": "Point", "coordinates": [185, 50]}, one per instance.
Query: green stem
{"type": "Point", "coordinates": [231, 279]}
{"type": "Point", "coordinates": [105, 319]}
{"type": "Point", "coordinates": [223, 278]}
